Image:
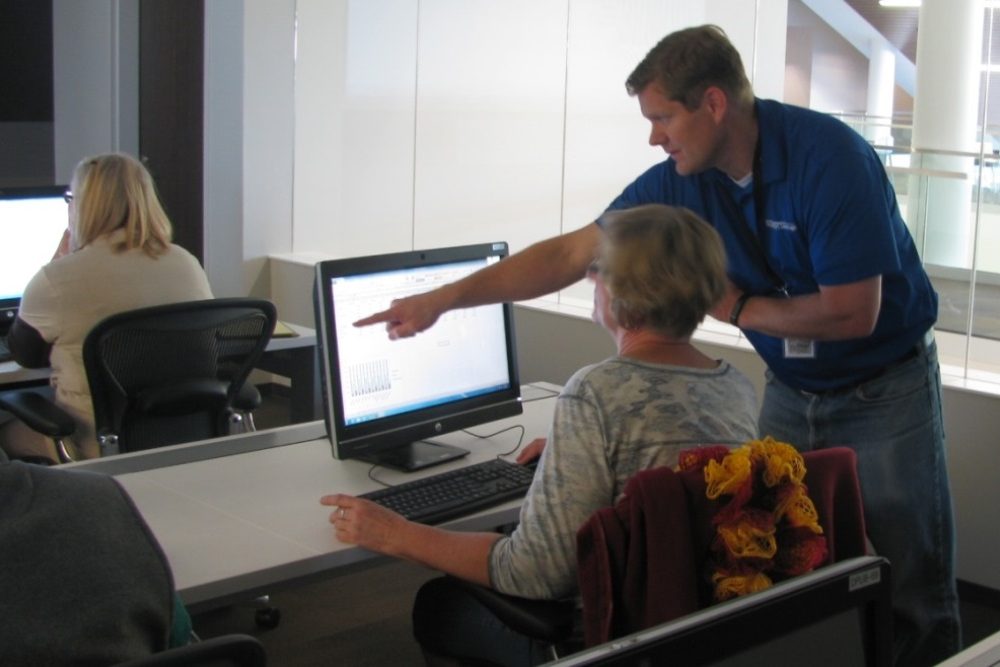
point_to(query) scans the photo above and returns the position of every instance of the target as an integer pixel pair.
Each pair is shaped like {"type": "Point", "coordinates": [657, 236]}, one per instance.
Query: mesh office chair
{"type": "Point", "coordinates": [672, 583]}
{"type": "Point", "coordinates": [163, 375]}
{"type": "Point", "coordinates": [175, 373]}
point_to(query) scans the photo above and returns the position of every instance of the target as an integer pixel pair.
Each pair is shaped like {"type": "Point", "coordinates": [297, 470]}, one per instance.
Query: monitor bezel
{"type": "Point", "coordinates": [10, 305]}
{"type": "Point", "coordinates": [722, 631]}
{"type": "Point", "coordinates": [369, 439]}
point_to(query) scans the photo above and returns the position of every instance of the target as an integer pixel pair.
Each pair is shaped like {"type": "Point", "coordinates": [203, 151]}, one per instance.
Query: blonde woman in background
{"type": "Point", "coordinates": [115, 256]}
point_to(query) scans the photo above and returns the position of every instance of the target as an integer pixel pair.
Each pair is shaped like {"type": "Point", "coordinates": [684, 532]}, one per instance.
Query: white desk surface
{"type": "Point", "coordinates": [234, 524]}
{"type": "Point", "coordinates": [305, 337]}
{"type": "Point", "coordinates": [984, 653]}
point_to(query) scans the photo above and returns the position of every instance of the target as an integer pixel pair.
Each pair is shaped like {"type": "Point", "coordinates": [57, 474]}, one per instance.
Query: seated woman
{"type": "Point", "coordinates": [116, 255]}
{"type": "Point", "coordinates": [659, 270]}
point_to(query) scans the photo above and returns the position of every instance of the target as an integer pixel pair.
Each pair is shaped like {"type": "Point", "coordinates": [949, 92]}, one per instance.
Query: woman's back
{"type": "Point", "coordinates": [71, 295]}
{"type": "Point", "coordinates": [116, 256]}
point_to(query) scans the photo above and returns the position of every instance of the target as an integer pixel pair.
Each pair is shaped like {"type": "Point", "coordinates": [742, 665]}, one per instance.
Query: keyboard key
{"type": "Point", "coordinates": [458, 492]}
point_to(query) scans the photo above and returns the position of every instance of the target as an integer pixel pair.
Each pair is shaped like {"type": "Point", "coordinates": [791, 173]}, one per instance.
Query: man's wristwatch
{"type": "Point", "coordinates": [734, 314]}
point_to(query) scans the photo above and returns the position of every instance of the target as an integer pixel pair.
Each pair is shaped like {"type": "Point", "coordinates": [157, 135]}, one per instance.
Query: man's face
{"type": "Point", "coordinates": [690, 138]}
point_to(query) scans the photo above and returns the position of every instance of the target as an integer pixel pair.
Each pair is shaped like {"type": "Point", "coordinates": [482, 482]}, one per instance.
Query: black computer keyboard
{"type": "Point", "coordinates": [464, 491]}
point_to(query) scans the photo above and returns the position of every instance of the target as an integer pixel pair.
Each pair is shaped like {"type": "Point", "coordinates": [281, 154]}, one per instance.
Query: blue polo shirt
{"type": "Point", "coordinates": [830, 218]}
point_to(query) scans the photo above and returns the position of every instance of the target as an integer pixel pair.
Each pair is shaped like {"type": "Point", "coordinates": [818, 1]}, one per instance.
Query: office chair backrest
{"type": "Point", "coordinates": [643, 561]}
{"type": "Point", "coordinates": [170, 373]}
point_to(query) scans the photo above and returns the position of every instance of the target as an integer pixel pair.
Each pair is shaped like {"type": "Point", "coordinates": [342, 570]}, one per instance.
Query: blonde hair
{"type": "Point", "coordinates": [115, 191]}
{"type": "Point", "coordinates": [664, 267]}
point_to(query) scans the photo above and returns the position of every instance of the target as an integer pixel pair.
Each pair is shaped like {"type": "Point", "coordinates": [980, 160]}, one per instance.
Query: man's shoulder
{"type": "Point", "coordinates": [661, 183]}
{"type": "Point", "coordinates": [804, 126]}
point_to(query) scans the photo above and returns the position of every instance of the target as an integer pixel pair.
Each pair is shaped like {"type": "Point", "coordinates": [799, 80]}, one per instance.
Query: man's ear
{"type": "Point", "coordinates": [716, 102]}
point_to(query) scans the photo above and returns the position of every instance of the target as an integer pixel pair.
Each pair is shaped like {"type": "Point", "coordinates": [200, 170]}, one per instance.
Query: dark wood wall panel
{"type": "Point", "coordinates": [171, 76]}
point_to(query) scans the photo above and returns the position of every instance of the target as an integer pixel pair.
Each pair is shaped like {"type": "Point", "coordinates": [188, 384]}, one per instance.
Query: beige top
{"type": "Point", "coordinates": [70, 295]}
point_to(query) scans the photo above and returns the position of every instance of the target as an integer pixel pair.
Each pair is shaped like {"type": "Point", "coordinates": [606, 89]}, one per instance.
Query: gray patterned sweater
{"type": "Point", "coordinates": [612, 420]}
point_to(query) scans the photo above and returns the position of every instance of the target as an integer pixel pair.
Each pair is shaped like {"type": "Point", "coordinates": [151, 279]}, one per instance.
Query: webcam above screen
{"type": "Point", "coordinates": [382, 398]}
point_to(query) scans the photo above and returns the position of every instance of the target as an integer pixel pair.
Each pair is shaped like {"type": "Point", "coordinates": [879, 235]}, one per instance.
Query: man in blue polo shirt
{"type": "Point", "coordinates": [826, 283]}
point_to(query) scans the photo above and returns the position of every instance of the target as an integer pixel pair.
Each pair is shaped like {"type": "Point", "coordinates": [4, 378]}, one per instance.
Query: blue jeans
{"type": "Point", "coordinates": [448, 621]}
{"type": "Point", "coordinates": [894, 423]}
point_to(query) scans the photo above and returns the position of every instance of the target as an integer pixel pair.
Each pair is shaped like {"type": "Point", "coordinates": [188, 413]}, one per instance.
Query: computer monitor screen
{"type": "Point", "coordinates": [32, 222]}
{"type": "Point", "coordinates": [383, 397]}
{"type": "Point", "coordinates": [839, 615]}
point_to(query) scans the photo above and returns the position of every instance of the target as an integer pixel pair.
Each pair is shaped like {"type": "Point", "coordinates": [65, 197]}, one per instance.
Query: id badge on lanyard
{"type": "Point", "coordinates": [799, 348]}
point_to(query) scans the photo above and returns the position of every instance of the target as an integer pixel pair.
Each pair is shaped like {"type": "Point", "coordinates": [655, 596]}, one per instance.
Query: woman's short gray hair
{"type": "Point", "coordinates": [663, 266]}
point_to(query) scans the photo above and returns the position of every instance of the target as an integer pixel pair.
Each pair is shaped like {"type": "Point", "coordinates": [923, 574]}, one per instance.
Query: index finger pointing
{"type": "Point", "coordinates": [375, 318]}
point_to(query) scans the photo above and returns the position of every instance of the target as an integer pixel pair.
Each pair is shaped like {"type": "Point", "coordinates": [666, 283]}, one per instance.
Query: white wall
{"type": "Point", "coordinates": [223, 186]}
{"type": "Point", "coordinates": [267, 116]}
{"type": "Point", "coordinates": [457, 121]}
{"type": "Point", "coordinates": [95, 73]}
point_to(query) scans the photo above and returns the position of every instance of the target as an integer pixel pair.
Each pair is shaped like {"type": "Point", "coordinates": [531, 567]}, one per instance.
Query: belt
{"type": "Point", "coordinates": [920, 346]}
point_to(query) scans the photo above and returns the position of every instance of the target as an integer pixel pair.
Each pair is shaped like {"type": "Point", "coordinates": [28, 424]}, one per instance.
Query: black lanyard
{"type": "Point", "coordinates": [736, 219]}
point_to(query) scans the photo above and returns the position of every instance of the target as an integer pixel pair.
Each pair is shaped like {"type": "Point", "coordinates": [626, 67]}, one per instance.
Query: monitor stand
{"type": "Point", "coordinates": [415, 455]}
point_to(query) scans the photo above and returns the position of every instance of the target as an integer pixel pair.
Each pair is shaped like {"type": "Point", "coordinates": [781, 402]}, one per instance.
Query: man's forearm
{"type": "Point", "coordinates": [539, 269]}
{"type": "Point", "coordinates": [833, 314]}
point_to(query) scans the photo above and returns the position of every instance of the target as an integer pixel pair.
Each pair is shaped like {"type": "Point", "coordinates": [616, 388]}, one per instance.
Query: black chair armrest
{"type": "Point", "coordinates": [38, 413]}
{"type": "Point", "coordinates": [182, 397]}
{"type": "Point", "coordinates": [248, 398]}
{"type": "Point", "coordinates": [549, 621]}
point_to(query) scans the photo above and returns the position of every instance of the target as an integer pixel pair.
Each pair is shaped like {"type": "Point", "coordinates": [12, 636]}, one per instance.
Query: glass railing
{"type": "Point", "coordinates": [951, 203]}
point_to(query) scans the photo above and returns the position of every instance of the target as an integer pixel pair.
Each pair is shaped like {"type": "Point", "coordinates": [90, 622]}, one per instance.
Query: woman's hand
{"type": "Point", "coordinates": [364, 523]}
{"type": "Point", "coordinates": [463, 554]}
{"type": "Point", "coordinates": [531, 451]}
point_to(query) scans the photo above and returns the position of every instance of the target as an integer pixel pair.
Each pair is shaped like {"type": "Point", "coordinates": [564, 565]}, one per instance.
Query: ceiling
{"type": "Point", "coordinates": [898, 25]}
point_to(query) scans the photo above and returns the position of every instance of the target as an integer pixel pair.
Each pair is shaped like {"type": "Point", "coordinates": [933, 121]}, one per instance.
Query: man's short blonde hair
{"type": "Point", "coordinates": [663, 266]}
{"type": "Point", "coordinates": [687, 62]}
{"type": "Point", "coordinates": [115, 191]}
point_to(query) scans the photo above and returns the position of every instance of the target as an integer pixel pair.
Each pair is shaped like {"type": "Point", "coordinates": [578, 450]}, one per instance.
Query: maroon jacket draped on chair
{"type": "Point", "coordinates": [641, 562]}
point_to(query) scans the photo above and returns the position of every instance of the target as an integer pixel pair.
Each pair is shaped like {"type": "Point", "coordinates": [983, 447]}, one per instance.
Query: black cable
{"type": "Point", "coordinates": [520, 439]}
{"type": "Point", "coordinates": [549, 393]}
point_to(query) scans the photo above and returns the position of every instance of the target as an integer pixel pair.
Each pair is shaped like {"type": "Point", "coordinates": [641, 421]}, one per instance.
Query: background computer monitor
{"type": "Point", "coordinates": [32, 222]}
{"type": "Point", "coordinates": [383, 397]}
{"type": "Point", "coordinates": [839, 615]}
